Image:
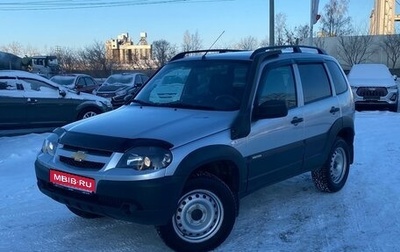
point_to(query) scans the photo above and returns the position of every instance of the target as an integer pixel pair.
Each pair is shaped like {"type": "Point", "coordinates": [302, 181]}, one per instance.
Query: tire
{"type": "Point", "coordinates": [204, 217]}
{"type": "Point", "coordinates": [88, 112]}
{"type": "Point", "coordinates": [393, 108]}
{"type": "Point", "coordinates": [333, 175]}
{"type": "Point", "coordinates": [83, 214]}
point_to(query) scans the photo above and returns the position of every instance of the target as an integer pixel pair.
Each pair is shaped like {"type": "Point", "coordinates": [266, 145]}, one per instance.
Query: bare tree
{"type": "Point", "coordinates": [247, 43]}
{"type": "Point", "coordinates": [14, 48]}
{"type": "Point", "coordinates": [302, 32]}
{"type": "Point", "coordinates": [264, 42]}
{"type": "Point", "coordinates": [391, 46]}
{"type": "Point", "coordinates": [334, 20]}
{"type": "Point", "coordinates": [94, 58]}
{"type": "Point", "coordinates": [280, 29]}
{"type": "Point", "coordinates": [67, 59]}
{"type": "Point", "coordinates": [191, 42]}
{"type": "Point", "coordinates": [163, 51]}
{"type": "Point", "coordinates": [319, 42]}
{"type": "Point", "coordinates": [354, 49]}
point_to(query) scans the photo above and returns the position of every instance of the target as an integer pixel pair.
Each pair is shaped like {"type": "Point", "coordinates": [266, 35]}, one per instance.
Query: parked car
{"type": "Point", "coordinates": [80, 82]}
{"type": "Point", "coordinates": [29, 101]}
{"type": "Point", "coordinates": [374, 87]}
{"type": "Point", "coordinates": [202, 133]}
{"type": "Point", "coordinates": [117, 86]}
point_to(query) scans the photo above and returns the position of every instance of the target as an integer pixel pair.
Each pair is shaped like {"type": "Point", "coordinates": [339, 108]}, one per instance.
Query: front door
{"type": "Point", "coordinates": [276, 145]}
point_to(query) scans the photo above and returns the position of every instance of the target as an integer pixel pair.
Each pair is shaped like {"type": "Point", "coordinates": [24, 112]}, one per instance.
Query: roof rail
{"type": "Point", "coordinates": [295, 48]}
{"type": "Point", "coordinates": [184, 54]}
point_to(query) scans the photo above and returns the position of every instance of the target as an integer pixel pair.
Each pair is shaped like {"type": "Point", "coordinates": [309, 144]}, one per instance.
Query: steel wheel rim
{"type": "Point", "coordinates": [89, 114]}
{"type": "Point", "coordinates": [338, 165]}
{"type": "Point", "coordinates": [198, 217]}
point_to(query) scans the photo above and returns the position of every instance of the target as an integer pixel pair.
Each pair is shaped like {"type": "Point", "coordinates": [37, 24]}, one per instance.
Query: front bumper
{"type": "Point", "coordinates": [150, 202]}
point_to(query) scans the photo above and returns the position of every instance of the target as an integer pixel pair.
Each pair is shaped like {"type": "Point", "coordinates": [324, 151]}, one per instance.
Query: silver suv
{"type": "Point", "coordinates": [209, 128]}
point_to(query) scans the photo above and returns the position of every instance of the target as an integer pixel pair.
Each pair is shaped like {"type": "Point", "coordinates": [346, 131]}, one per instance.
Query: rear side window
{"type": "Point", "coordinates": [339, 80]}
{"type": "Point", "coordinates": [315, 82]}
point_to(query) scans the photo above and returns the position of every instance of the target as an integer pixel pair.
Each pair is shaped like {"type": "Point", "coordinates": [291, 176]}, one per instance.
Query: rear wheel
{"type": "Point", "coordinates": [333, 175]}
{"type": "Point", "coordinates": [83, 214]}
{"type": "Point", "coordinates": [204, 216]}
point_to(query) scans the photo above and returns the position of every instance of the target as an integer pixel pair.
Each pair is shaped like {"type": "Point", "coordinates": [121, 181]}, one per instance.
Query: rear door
{"type": "Point", "coordinates": [12, 104]}
{"type": "Point", "coordinates": [321, 110]}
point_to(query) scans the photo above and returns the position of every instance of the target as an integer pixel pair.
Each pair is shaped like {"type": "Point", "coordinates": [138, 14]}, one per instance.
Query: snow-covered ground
{"type": "Point", "coordinates": [289, 216]}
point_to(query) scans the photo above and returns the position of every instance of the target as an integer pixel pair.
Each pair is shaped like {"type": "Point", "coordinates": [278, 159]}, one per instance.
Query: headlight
{"type": "Point", "coordinates": [122, 92]}
{"type": "Point", "coordinates": [50, 144]}
{"type": "Point", "coordinates": [146, 158]}
{"type": "Point", "coordinates": [104, 102]}
{"type": "Point", "coordinates": [393, 87]}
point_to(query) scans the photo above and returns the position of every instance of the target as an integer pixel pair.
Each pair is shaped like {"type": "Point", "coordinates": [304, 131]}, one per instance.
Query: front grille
{"type": "Point", "coordinates": [81, 164]}
{"type": "Point", "coordinates": [370, 92]}
{"type": "Point", "coordinates": [88, 151]}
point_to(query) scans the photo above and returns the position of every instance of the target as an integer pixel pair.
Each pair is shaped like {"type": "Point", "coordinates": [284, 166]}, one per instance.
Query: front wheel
{"type": "Point", "coordinates": [333, 175]}
{"type": "Point", "coordinates": [204, 216]}
{"type": "Point", "coordinates": [86, 113]}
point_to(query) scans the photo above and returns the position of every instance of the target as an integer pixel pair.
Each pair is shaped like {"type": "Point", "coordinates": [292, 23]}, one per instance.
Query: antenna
{"type": "Point", "coordinates": [213, 44]}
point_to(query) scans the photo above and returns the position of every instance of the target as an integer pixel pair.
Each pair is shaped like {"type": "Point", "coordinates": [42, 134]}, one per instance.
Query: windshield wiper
{"type": "Point", "coordinates": [185, 105]}
{"type": "Point", "coordinates": [141, 102]}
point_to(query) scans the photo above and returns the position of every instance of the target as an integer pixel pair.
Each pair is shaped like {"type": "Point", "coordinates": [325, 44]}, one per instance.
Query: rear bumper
{"type": "Point", "coordinates": [150, 202]}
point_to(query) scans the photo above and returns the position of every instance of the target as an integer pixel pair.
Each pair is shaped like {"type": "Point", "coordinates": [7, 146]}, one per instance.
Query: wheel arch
{"type": "Point", "coordinates": [222, 161]}
{"type": "Point", "coordinates": [85, 107]}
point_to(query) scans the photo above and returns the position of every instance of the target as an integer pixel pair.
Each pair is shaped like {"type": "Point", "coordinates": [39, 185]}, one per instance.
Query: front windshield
{"type": "Point", "coordinates": [119, 79]}
{"type": "Point", "coordinates": [203, 84]}
{"type": "Point", "coordinates": [63, 80]}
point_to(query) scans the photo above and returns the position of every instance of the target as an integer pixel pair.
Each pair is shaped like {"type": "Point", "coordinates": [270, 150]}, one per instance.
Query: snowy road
{"type": "Point", "coordinates": [289, 216]}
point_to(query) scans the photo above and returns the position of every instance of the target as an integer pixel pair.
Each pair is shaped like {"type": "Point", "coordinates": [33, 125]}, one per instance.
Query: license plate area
{"type": "Point", "coordinates": [73, 181]}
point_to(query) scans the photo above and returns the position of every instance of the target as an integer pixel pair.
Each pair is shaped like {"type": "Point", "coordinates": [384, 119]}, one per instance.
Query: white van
{"type": "Point", "coordinates": [373, 85]}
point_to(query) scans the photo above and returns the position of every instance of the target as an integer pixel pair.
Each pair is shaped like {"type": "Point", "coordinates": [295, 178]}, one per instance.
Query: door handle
{"type": "Point", "coordinates": [296, 120]}
{"type": "Point", "coordinates": [32, 101]}
{"type": "Point", "coordinates": [334, 110]}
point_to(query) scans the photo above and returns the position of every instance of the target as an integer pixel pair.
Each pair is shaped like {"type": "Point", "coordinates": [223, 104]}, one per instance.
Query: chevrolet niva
{"type": "Point", "coordinates": [207, 129]}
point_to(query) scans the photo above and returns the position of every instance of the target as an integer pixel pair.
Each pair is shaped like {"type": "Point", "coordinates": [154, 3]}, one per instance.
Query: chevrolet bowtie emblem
{"type": "Point", "coordinates": [79, 156]}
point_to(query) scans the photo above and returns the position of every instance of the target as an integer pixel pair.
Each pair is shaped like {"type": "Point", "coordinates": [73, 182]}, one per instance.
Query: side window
{"type": "Point", "coordinates": [138, 80]}
{"type": "Point", "coordinates": [315, 82]}
{"type": "Point", "coordinates": [81, 82]}
{"type": "Point", "coordinates": [144, 78]}
{"type": "Point", "coordinates": [8, 84]}
{"type": "Point", "coordinates": [339, 80]}
{"type": "Point", "coordinates": [36, 85]}
{"type": "Point", "coordinates": [277, 84]}
{"type": "Point", "coordinates": [89, 81]}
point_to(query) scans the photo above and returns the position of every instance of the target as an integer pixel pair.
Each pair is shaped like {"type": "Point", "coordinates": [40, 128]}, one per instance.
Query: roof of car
{"type": "Point", "coordinates": [20, 73]}
{"type": "Point", "coordinates": [289, 51]}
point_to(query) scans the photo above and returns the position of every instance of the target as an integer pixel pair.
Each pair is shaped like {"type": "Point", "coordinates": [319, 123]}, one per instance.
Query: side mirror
{"type": "Point", "coordinates": [62, 92]}
{"type": "Point", "coordinates": [395, 77]}
{"type": "Point", "coordinates": [271, 109]}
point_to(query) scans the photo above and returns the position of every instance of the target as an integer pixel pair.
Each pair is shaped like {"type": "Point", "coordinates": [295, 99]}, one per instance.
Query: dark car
{"type": "Point", "coordinates": [117, 86]}
{"type": "Point", "coordinates": [29, 102]}
{"type": "Point", "coordinates": [80, 82]}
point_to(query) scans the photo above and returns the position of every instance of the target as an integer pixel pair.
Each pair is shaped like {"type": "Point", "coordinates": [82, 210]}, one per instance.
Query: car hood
{"type": "Point", "coordinates": [71, 94]}
{"type": "Point", "coordinates": [112, 88]}
{"type": "Point", "coordinates": [176, 126]}
{"type": "Point", "coordinates": [372, 82]}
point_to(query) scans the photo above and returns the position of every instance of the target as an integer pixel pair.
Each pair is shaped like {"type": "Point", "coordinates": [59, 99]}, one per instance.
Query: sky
{"type": "Point", "coordinates": [50, 24]}
{"type": "Point", "coordinates": [289, 216]}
